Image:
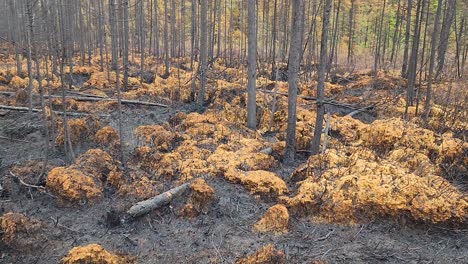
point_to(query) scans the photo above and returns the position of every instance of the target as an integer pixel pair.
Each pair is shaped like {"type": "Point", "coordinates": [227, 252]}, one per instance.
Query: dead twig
{"type": "Point", "coordinates": [31, 186]}
{"type": "Point", "coordinates": [85, 94]}
{"type": "Point", "coordinates": [56, 223]}
{"type": "Point", "coordinates": [27, 184]}
{"type": "Point", "coordinates": [13, 139]}
{"type": "Point", "coordinates": [325, 237]}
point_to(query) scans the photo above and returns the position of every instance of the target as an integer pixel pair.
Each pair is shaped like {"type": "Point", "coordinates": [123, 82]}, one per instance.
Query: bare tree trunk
{"type": "Point", "coordinates": [395, 33]}
{"type": "Point", "coordinates": [315, 146]}
{"type": "Point", "coordinates": [15, 35]}
{"type": "Point", "coordinates": [182, 33]}
{"type": "Point", "coordinates": [80, 20]}
{"type": "Point", "coordinates": [273, 44]}
{"type": "Point", "coordinates": [379, 42]}
{"type": "Point", "coordinates": [427, 103]}
{"type": "Point", "coordinates": [252, 65]}
{"type": "Point", "coordinates": [334, 42]}
{"type": "Point", "coordinates": [193, 33]}
{"type": "Point", "coordinates": [142, 39]}
{"type": "Point", "coordinates": [30, 18]}
{"type": "Point", "coordinates": [156, 29]}
{"type": "Point", "coordinates": [100, 33]}
{"type": "Point", "coordinates": [413, 61]}
{"type": "Point", "coordinates": [203, 54]}
{"type": "Point", "coordinates": [151, 28]}
{"type": "Point", "coordinates": [166, 40]}
{"type": "Point", "coordinates": [173, 30]}
{"type": "Point", "coordinates": [421, 63]}
{"type": "Point", "coordinates": [125, 45]}
{"type": "Point", "coordinates": [350, 32]}
{"type": "Point", "coordinates": [444, 36]}
{"type": "Point", "coordinates": [293, 71]}
{"type": "Point", "coordinates": [114, 35]}
{"type": "Point", "coordinates": [407, 37]}
{"type": "Point", "coordinates": [459, 38]}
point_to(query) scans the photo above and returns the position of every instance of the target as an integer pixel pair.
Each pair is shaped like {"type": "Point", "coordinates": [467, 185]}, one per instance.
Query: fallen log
{"type": "Point", "coordinates": [158, 201]}
{"type": "Point", "coordinates": [357, 111]}
{"type": "Point", "coordinates": [267, 150]}
{"type": "Point", "coordinates": [328, 101]}
{"type": "Point", "coordinates": [35, 110]}
{"type": "Point", "coordinates": [85, 94]}
{"type": "Point", "coordinates": [90, 98]}
{"type": "Point", "coordinates": [7, 93]}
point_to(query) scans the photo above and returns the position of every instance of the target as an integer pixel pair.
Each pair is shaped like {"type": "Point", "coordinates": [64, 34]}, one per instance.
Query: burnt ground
{"type": "Point", "coordinates": [221, 236]}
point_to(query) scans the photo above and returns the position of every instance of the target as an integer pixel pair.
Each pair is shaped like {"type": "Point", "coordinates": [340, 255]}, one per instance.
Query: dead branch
{"type": "Point", "coordinates": [85, 94]}
{"type": "Point", "coordinates": [27, 184]}
{"type": "Point", "coordinates": [325, 237]}
{"type": "Point", "coordinates": [147, 206]}
{"type": "Point", "coordinates": [26, 109]}
{"type": "Point", "coordinates": [267, 150]}
{"type": "Point", "coordinates": [92, 98]}
{"type": "Point", "coordinates": [328, 101]}
{"type": "Point", "coordinates": [13, 139]}
{"type": "Point", "coordinates": [355, 112]}
{"type": "Point", "coordinates": [39, 188]}
{"type": "Point", "coordinates": [325, 134]}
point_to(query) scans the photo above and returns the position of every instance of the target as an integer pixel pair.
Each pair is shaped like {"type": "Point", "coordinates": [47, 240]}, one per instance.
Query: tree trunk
{"type": "Point", "coordinates": [350, 32]}
{"type": "Point", "coordinates": [125, 45]}
{"type": "Point", "coordinates": [252, 65]}
{"type": "Point", "coordinates": [413, 59]}
{"type": "Point", "coordinates": [293, 71]}
{"type": "Point", "coordinates": [404, 66]}
{"type": "Point", "coordinates": [427, 103]}
{"type": "Point", "coordinates": [315, 146]}
{"type": "Point", "coordinates": [444, 36]}
{"type": "Point", "coordinates": [166, 40]}
{"type": "Point", "coordinates": [142, 40]}
{"type": "Point", "coordinates": [203, 54]}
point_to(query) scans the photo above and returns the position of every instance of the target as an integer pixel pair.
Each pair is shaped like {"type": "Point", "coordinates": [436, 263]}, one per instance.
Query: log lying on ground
{"type": "Point", "coordinates": [162, 199]}
{"type": "Point", "coordinates": [35, 110]}
{"type": "Point", "coordinates": [90, 98]}
{"type": "Point", "coordinates": [357, 111]}
{"type": "Point", "coordinates": [328, 101]}
{"type": "Point", "coordinates": [85, 94]}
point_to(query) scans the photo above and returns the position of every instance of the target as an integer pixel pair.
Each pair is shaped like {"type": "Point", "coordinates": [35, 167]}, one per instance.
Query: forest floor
{"type": "Point", "coordinates": [367, 232]}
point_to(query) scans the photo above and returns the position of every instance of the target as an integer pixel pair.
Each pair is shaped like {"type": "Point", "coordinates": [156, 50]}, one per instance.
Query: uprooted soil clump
{"type": "Point", "coordinates": [258, 182]}
{"type": "Point", "coordinates": [83, 180]}
{"type": "Point", "coordinates": [275, 220]}
{"type": "Point", "coordinates": [94, 254]}
{"type": "Point", "coordinates": [200, 199]}
{"type": "Point", "coordinates": [353, 187]}
{"type": "Point", "coordinates": [20, 232]}
{"type": "Point", "coordinates": [264, 255]}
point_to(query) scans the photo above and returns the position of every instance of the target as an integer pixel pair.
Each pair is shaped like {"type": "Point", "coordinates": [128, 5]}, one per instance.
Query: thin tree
{"type": "Point", "coordinates": [252, 65]}
{"type": "Point", "coordinates": [427, 103]}
{"type": "Point", "coordinates": [315, 146]}
{"type": "Point", "coordinates": [125, 45]}
{"type": "Point", "coordinates": [404, 66]}
{"type": "Point", "coordinates": [293, 72]}
{"type": "Point", "coordinates": [203, 53]}
{"type": "Point", "coordinates": [444, 35]}
{"type": "Point", "coordinates": [166, 40]}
